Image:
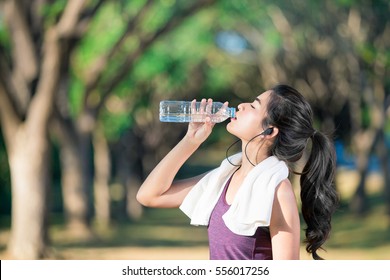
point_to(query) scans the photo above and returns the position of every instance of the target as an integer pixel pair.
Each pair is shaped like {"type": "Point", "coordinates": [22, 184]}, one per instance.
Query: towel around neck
{"type": "Point", "coordinates": [252, 204]}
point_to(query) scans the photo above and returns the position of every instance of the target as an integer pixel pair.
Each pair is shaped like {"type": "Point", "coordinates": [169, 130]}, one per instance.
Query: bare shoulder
{"type": "Point", "coordinates": [285, 191]}
{"type": "Point", "coordinates": [285, 205]}
{"type": "Point", "coordinates": [284, 224]}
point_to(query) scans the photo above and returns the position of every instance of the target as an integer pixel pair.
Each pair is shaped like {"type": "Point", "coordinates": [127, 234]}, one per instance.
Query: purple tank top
{"type": "Point", "coordinates": [226, 245]}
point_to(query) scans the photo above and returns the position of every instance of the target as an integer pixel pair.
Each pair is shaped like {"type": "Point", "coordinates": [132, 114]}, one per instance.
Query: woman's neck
{"type": "Point", "coordinates": [251, 159]}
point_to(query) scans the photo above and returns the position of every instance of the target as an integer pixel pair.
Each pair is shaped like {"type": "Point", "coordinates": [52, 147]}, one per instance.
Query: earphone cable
{"type": "Point", "coordinates": [227, 153]}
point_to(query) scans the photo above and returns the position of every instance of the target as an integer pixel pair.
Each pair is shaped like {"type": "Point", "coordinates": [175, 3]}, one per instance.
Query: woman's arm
{"type": "Point", "coordinates": [159, 189]}
{"type": "Point", "coordinates": [285, 225]}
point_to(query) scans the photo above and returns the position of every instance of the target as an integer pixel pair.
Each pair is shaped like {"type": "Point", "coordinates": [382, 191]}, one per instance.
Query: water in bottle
{"type": "Point", "coordinates": [186, 111]}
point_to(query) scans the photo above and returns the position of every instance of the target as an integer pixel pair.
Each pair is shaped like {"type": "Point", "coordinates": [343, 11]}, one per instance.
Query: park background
{"type": "Point", "coordinates": [80, 85]}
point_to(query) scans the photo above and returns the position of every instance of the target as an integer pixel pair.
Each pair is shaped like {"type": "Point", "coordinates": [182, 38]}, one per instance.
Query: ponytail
{"type": "Point", "coordinates": [292, 115]}
{"type": "Point", "coordinates": [318, 194]}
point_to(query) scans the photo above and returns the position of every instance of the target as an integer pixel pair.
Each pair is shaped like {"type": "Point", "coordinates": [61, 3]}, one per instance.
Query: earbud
{"type": "Point", "coordinates": [268, 131]}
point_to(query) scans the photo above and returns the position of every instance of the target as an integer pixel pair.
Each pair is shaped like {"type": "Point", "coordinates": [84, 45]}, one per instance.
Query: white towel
{"type": "Point", "coordinates": [252, 204]}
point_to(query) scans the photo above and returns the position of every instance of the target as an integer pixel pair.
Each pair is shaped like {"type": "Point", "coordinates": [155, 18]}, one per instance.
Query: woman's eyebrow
{"type": "Point", "coordinates": [258, 100]}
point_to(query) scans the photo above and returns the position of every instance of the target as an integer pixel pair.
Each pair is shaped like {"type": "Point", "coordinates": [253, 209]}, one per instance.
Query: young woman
{"type": "Point", "coordinates": [248, 202]}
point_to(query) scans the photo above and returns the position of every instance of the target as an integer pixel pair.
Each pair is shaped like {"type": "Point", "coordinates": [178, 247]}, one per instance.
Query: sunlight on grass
{"type": "Point", "coordinates": [166, 234]}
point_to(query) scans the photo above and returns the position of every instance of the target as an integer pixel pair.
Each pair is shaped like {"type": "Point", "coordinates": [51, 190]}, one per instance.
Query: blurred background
{"type": "Point", "coordinates": [80, 85]}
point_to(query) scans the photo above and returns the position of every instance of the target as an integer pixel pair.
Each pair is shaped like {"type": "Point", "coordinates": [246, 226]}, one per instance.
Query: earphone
{"type": "Point", "coordinates": [268, 131]}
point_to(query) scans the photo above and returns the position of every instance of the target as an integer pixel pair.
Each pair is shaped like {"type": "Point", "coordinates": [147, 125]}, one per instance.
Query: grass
{"type": "Point", "coordinates": [166, 234]}
{"type": "Point", "coordinates": [364, 237]}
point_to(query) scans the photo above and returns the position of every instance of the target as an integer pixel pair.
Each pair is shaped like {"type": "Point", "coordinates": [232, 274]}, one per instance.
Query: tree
{"type": "Point", "coordinates": [337, 55]}
{"type": "Point", "coordinates": [30, 74]}
{"type": "Point", "coordinates": [35, 70]}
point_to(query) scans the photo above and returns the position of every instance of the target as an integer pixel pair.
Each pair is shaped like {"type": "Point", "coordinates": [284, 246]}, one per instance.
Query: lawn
{"type": "Point", "coordinates": [166, 234]}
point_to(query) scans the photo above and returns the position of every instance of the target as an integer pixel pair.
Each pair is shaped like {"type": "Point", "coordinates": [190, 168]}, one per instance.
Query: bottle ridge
{"type": "Point", "coordinates": [185, 111]}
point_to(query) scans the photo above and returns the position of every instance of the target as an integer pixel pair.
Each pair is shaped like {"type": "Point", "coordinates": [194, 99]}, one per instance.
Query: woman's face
{"type": "Point", "coordinates": [249, 118]}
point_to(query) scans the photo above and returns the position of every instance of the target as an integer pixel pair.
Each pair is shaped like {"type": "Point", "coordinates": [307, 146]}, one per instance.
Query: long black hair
{"type": "Point", "coordinates": [293, 116]}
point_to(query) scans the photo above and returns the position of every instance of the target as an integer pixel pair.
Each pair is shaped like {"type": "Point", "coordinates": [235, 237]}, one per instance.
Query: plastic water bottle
{"type": "Point", "coordinates": [185, 111]}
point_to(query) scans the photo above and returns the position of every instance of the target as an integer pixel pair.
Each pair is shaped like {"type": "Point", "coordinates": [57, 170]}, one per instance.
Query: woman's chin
{"type": "Point", "coordinates": [230, 128]}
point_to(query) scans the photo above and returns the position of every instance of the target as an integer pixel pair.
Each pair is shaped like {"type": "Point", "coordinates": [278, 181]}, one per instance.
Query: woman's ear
{"type": "Point", "coordinates": [271, 132]}
{"type": "Point", "coordinates": [268, 131]}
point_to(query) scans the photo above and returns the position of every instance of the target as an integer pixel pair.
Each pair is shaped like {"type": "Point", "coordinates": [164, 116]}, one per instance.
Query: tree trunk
{"type": "Point", "coordinates": [134, 209]}
{"type": "Point", "coordinates": [74, 193]}
{"type": "Point", "coordinates": [384, 156]}
{"type": "Point", "coordinates": [128, 154]}
{"type": "Point", "coordinates": [102, 162]}
{"type": "Point", "coordinates": [75, 190]}
{"type": "Point", "coordinates": [28, 151]}
{"type": "Point", "coordinates": [387, 188]}
{"type": "Point", "coordinates": [359, 203]}
{"type": "Point", "coordinates": [30, 184]}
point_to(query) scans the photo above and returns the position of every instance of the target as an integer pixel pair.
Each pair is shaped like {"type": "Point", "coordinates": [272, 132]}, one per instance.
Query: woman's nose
{"type": "Point", "coordinates": [240, 106]}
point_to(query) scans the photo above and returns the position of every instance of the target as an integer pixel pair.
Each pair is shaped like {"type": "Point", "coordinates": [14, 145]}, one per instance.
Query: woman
{"type": "Point", "coordinates": [248, 203]}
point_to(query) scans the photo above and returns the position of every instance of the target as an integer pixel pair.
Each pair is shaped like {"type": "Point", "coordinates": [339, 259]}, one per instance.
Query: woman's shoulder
{"type": "Point", "coordinates": [285, 192]}
{"type": "Point", "coordinates": [285, 206]}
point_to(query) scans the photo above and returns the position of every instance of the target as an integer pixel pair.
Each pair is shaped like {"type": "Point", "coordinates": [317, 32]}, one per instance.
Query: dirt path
{"type": "Point", "coordinates": [195, 253]}
{"type": "Point", "coordinates": [138, 253]}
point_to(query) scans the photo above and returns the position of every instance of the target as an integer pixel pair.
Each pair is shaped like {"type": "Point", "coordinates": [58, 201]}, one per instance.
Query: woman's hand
{"type": "Point", "coordinates": [159, 188]}
{"type": "Point", "coordinates": [199, 131]}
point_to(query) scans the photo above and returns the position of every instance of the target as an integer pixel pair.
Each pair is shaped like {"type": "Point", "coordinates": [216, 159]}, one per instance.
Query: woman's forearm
{"type": "Point", "coordinates": [157, 190]}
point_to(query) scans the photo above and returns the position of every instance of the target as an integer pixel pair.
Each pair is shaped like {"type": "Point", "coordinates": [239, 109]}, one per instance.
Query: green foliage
{"type": "Point", "coordinates": [346, 3]}
{"type": "Point", "coordinates": [76, 95]}
{"type": "Point", "coordinates": [4, 36]}
{"type": "Point", "coordinates": [157, 16]}
{"type": "Point", "coordinates": [168, 64]}
{"type": "Point", "coordinates": [155, 61]}
{"type": "Point", "coordinates": [116, 123]}
{"type": "Point", "coordinates": [52, 11]}
{"type": "Point", "coordinates": [5, 184]}
{"type": "Point", "coordinates": [186, 63]}
{"type": "Point", "coordinates": [105, 29]}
